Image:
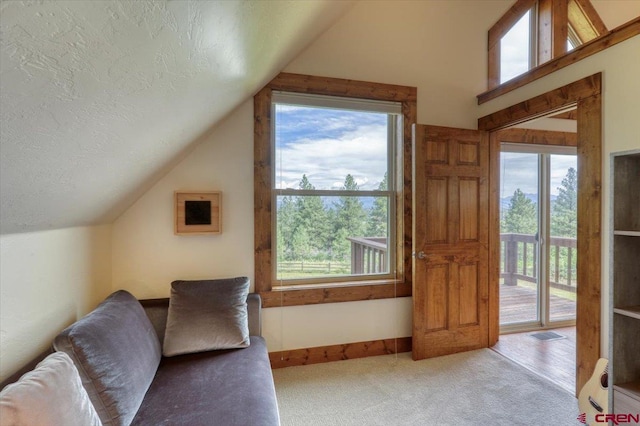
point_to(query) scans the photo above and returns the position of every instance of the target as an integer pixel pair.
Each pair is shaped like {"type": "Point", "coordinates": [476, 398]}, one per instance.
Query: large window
{"type": "Point", "coordinates": [333, 188]}
{"type": "Point", "coordinates": [332, 162]}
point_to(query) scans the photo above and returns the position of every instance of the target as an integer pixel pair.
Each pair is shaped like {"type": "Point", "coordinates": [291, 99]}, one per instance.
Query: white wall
{"type": "Point", "coordinates": [620, 67]}
{"type": "Point", "coordinates": [47, 281]}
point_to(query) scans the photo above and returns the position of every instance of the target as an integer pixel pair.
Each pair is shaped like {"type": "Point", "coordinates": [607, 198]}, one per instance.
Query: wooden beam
{"type": "Point", "coordinates": [543, 104]}
{"type": "Point", "coordinates": [560, 27]}
{"type": "Point", "coordinates": [618, 35]}
{"type": "Point", "coordinates": [545, 31]}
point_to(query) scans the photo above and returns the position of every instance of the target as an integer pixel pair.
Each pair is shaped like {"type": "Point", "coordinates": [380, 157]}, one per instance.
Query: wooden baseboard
{"type": "Point", "coordinates": [321, 354]}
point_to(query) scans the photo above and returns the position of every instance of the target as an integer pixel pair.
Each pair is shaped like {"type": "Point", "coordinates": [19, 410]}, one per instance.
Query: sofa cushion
{"type": "Point", "coordinates": [226, 387]}
{"type": "Point", "coordinates": [50, 395]}
{"type": "Point", "coordinates": [207, 315]}
{"type": "Point", "coordinates": [117, 353]}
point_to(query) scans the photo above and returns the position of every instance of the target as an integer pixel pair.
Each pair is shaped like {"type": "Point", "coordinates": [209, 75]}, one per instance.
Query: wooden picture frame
{"type": "Point", "coordinates": [198, 213]}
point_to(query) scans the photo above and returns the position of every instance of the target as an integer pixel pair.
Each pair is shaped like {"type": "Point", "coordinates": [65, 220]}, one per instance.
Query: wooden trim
{"type": "Point", "coordinates": [586, 93]}
{"type": "Point", "coordinates": [545, 30]}
{"type": "Point", "coordinates": [589, 236]}
{"type": "Point", "coordinates": [618, 35]}
{"type": "Point", "coordinates": [508, 20]}
{"type": "Point", "coordinates": [299, 83]}
{"type": "Point", "coordinates": [567, 115]}
{"type": "Point", "coordinates": [262, 189]}
{"type": "Point", "coordinates": [560, 27]}
{"type": "Point", "coordinates": [322, 354]}
{"type": "Point", "coordinates": [340, 87]}
{"type": "Point", "coordinates": [585, 20]}
{"type": "Point", "coordinates": [542, 105]}
{"type": "Point", "coordinates": [333, 294]}
{"type": "Point", "coordinates": [537, 137]}
{"type": "Point", "coordinates": [494, 239]}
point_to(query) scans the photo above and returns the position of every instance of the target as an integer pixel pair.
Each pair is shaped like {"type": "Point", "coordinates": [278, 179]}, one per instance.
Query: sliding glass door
{"type": "Point", "coordinates": [538, 218]}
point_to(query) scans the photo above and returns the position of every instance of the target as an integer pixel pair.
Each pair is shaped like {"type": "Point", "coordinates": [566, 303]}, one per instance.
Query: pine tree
{"type": "Point", "coordinates": [521, 217]}
{"type": "Point", "coordinates": [310, 229]}
{"type": "Point", "coordinates": [350, 220]}
{"type": "Point", "coordinates": [377, 223]}
{"type": "Point", "coordinates": [564, 218]}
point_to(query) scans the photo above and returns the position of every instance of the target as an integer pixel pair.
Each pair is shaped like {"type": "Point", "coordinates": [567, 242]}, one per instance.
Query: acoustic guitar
{"type": "Point", "coordinates": [594, 395]}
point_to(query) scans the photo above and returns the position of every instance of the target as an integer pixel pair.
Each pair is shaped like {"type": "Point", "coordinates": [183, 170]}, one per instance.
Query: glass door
{"type": "Point", "coordinates": [538, 220]}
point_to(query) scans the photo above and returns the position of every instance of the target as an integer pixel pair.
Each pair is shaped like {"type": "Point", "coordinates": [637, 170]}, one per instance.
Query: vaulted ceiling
{"type": "Point", "coordinates": [98, 99]}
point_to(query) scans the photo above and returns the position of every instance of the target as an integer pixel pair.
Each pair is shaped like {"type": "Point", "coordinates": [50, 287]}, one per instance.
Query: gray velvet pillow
{"type": "Point", "coordinates": [49, 395]}
{"type": "Point", "coordinates": [207, 315]}
{"type": "Point", "coordinates": [117, 353]}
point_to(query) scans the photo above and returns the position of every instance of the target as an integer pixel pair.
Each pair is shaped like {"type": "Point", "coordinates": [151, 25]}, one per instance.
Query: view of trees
{"type": "Point", "coordinates": [315, 228]}
{"type": "Point", "coordinates": [521, 216]}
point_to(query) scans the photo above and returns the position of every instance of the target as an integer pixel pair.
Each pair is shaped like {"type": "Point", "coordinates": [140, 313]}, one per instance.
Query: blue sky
{"type": "Point", "coordinates": [520, 170]}
{"type": "Point", "coordinates": [328, 144]}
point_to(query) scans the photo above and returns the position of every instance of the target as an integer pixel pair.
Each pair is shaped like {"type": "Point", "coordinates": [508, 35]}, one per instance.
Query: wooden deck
{"type": "Point", "coordinates": [519, 304]}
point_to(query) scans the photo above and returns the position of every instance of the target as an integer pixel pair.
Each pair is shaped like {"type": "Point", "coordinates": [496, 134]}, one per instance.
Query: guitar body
{"type": "Point", "coordinates": [594, 395]}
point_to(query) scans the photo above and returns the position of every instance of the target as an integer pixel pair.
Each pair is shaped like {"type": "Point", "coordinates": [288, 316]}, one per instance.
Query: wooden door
{"type": "Point", "coordinates": [450, 240]}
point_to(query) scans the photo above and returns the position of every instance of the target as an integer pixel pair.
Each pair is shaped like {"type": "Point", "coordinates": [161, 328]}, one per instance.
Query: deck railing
{"type": "Point", "coordinates": [368, 255]}
{"type": "Point", "coordinates": [519, 260]}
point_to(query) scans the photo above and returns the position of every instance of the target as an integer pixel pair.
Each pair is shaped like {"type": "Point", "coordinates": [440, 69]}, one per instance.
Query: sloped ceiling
{"type": "Point", "coordinates": [98, 98]}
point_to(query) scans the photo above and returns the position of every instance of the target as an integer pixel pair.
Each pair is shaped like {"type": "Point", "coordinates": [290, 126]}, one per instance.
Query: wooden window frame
{"type": "Point", "coordinates": [263, 208]}
{"type": "Point", "coordinates": [553, 20]}
{"type": "Point", "coordinates": [586, 95]}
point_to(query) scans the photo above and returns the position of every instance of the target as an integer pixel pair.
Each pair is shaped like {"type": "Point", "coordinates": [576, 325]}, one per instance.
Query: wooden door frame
{"type": "Point", "coordinates": [586, 95]}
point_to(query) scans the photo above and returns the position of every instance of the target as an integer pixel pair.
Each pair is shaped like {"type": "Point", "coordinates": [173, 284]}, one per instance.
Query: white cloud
{"type": "Point", "coordinates": [327, 161]}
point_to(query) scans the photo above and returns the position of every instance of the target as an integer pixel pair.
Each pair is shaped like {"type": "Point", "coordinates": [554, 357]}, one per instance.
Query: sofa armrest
{"type": "Point", "coordinates": [254, 308]}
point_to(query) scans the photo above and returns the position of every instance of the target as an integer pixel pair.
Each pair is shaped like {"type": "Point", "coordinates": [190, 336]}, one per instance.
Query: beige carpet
{"type": "Point", "coordinates": [473, 388]}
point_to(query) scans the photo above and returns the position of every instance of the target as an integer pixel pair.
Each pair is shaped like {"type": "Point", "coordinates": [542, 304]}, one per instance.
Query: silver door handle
{"type": "Point", "coordinates": [420, 255]}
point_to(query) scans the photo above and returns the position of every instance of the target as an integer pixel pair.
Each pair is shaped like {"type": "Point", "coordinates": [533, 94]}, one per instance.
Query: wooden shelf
{"type": "Point", "coordinates": [627, 233]}
{"type": "Point", "coordinates": [632, 389]}
{"type": "Point", "coordinates": [630, 311]}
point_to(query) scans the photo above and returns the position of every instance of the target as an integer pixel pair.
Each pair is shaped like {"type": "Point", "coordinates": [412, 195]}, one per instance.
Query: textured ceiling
{"type": "Point", "coordinates": [99, 98]}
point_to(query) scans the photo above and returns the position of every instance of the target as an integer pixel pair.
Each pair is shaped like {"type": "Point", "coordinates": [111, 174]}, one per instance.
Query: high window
{"type": "Point", "coordinates": [332, 199]}
{"type": "Point", "coordinates": [533, 32]}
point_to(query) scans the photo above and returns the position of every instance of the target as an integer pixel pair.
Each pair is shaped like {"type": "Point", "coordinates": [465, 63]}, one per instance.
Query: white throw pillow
{"type": "Point", "coordinates": [50, 395]}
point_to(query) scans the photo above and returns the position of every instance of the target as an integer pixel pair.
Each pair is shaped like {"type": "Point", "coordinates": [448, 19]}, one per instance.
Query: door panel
{"type": "Point", "coordinates": [436, 202]}
{"type": "Point", "coordinates": [450, 190]}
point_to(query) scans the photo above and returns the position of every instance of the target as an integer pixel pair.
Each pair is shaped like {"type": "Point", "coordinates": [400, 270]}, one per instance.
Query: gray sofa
{"type": "Point", "coordinates": [117, 350]}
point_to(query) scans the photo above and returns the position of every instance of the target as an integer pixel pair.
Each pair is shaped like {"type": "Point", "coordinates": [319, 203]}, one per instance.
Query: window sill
{"type": "Point", "coordinates": [304, 295]}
